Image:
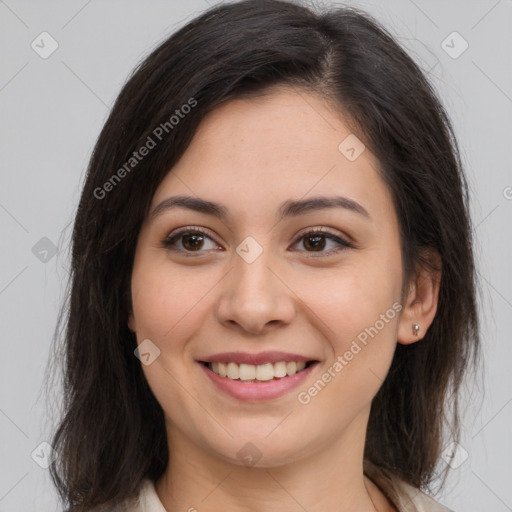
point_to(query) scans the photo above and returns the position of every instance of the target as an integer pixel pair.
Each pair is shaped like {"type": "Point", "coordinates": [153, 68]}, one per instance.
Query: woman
{"type": "Point", "coordinates": [272, 301]}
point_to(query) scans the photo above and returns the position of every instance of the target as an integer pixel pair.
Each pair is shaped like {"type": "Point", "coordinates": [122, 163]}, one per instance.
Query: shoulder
{"type": "Point", "coordinates": [404, 496]}
{"type": "Point", "coordinates": [411, 499]}
{"type": "Point", "coordinates": [147, 499]}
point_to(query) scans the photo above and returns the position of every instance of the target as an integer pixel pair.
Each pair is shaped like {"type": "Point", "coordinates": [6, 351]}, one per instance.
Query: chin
{"type": "Point", "coordinates": [257, 449]}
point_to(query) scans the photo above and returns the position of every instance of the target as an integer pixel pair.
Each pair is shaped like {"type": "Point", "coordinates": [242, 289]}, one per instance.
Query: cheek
{"type": "Point", "coordinates": [165, 299]}
{"type": "Point", "coordinates": [359, 319]}
{"type": "Point", "coordinates": [168, 314]}
{"type": "Point", "coordinates": [348, 300]}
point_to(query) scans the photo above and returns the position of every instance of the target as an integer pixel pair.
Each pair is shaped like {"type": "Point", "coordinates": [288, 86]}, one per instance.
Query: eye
{"type": "Point", "coordinates": [315, 240]}
{"type": "Point", "coordinates": [192, 240]}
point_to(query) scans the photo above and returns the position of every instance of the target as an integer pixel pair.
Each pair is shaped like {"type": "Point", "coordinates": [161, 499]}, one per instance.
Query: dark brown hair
{"type": "Point", "coordinates": [112, 431]}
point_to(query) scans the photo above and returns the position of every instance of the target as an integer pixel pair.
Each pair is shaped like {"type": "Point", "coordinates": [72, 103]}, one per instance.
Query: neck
{"type": "Point", "coordinates": [329, 479]}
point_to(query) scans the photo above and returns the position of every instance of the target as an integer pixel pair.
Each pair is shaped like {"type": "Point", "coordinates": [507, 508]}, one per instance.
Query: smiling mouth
{"type": "Point", "coordinates": [257, 373]}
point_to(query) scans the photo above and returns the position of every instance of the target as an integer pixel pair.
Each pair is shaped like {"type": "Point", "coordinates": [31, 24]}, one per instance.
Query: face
{"type": "Point", "coordinates": [275, 322]}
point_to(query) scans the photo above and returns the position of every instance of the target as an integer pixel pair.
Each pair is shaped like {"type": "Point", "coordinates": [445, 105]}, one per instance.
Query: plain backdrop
{"type": "Point", "coordinates": [52, 109]}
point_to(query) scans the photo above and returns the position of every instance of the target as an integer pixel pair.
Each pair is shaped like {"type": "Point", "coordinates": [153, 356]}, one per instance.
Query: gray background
{"type": "Point", "coordinates": [52, 111]}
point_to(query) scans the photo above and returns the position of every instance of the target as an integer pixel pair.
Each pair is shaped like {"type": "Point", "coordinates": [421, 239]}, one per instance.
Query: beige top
{"type": "Point", "coordinates": [404, 497]}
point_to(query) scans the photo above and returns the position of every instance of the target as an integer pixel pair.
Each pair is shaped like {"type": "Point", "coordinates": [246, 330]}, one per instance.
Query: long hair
{"type": "Point", "coordinates": [112, 431]}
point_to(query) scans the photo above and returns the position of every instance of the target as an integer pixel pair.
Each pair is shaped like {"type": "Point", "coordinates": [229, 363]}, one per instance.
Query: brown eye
{"type": "Point", "coordinates": [314, 242]}
{"type": "Point", "coordinates": [317, 240]}
{"type": "Point", "coordinates": [190, 240]}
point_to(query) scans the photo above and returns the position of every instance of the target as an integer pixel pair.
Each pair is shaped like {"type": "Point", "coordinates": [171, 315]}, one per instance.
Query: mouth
{"type": "Point", "coordinates": [257, 378]}
{"type": "Point", "coordinates": [258, 373]}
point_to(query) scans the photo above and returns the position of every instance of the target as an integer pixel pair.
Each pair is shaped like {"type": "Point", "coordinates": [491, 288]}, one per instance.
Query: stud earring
{"type": "Point", "coordinates": [415, 329]}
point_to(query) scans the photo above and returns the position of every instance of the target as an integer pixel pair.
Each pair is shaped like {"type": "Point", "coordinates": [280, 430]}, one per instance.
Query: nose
{"type": "Point", "coordinates": [254, 296]}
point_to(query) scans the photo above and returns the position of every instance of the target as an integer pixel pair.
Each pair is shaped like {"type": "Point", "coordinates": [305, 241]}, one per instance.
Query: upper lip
{"type": "Point", "coordinates": [255, 359]}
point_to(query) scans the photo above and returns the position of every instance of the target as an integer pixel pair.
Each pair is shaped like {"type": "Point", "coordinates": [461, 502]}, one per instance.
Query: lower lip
{"type": "Point", "coordinates": [258, 391]}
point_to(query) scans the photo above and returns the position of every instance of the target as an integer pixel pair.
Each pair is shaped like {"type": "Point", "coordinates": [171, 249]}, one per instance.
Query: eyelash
{"type": "Point", "coordinates": [170, 241]}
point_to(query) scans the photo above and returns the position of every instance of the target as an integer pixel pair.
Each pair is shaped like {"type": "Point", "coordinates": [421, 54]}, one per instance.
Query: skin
{"type": "Point", "coordinates": [251, 156]}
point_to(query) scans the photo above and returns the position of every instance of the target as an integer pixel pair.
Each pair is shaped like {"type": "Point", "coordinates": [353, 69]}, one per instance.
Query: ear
{"type": "Point", "coordinates": [420, 304]}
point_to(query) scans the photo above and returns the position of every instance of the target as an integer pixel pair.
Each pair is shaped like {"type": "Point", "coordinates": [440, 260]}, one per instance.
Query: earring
{"type": "Point", "coordinates": [415, 329]}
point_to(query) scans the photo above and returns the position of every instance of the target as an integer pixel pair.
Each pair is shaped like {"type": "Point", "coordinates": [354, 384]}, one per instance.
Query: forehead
{"type": "Point", "coordinates": [252, 154]}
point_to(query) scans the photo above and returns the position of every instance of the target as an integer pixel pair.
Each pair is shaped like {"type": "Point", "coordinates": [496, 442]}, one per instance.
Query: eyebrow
{"type": "Point", "coordinates": [290, 208]}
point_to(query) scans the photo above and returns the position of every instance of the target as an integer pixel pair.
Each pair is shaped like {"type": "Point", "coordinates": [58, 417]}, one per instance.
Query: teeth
{"type": "Point", "coordinates": [260, 372]}
{"type": "Point", "coordinates": [233, 371]}
{"type": "Point", "coordinates": [280, 369]}
{"type": "Point", "coordinates": [265, 371]}
{"type": "Point", "coordinates": [247, 372]}
{"type": "Point", "coordinates": [291, 368]}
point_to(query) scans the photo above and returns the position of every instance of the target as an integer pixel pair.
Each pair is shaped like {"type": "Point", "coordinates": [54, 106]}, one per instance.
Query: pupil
{"type": "Point", "coordinates": [315, 246]}
{"type": "Point", "coordinates": [196, 244]}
